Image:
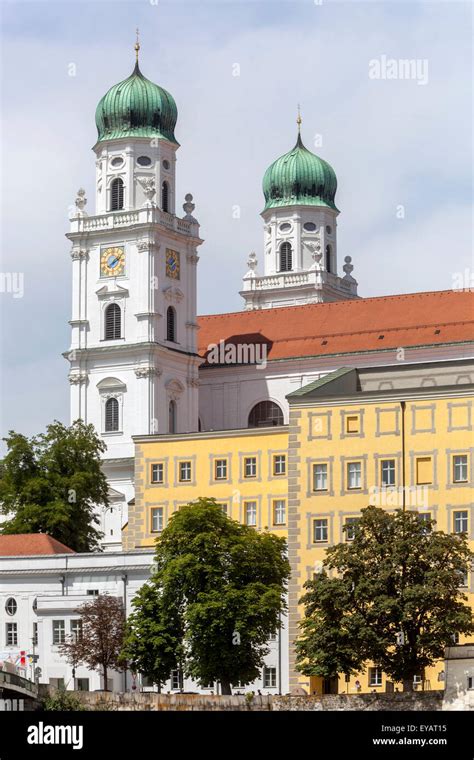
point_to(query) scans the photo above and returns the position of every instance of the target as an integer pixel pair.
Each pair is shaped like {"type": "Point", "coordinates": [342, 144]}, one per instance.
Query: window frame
{"type": "Point", "coordinates": [465, 519]}
{"type": "Point", "coordinates": [274, 465]}
{"type": "Point", "coordinates": [152, 479]}
{"type": "Point", "coordinates": [391, 470]}
{"type": "Point", "coordinates": [269, 677]}
{"type": "Point", "coordinates": [246, 505]}
{"type": "Point", "coordinates": [275, 509]}
{"type": "Point", "coordinates": [377, 672]}
{"type": "Point", "coordinates": [183, 464]}
{"type": "Point", "coordinates": [349, 464]}
{"type": "Point", "coordinates": [58, 625]}
{"type": "Point", "coordinates": [315, 465]}
{"type": "Point", "coordinates": [252, 461]}
{"type": "Point", "coordinates": [323, 528]}
{"type": "Point", "coordinates": [157, 511]}
{"type": "Point", "coordinates": [464, 464]}
{"type": "Point", "coordinates": [223, 463]}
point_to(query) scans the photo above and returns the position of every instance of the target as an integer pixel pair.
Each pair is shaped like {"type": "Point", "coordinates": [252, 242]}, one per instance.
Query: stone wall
{"type": "Point", "coordinates": [417, 701]}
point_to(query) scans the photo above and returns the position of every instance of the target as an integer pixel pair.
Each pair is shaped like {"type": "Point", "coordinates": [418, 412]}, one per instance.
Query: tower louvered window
{"type": "Point", "coordinates": [165, 197]}
{"type": "Point", "coordinates": [328, 258]}
{"type": "Point", "coordinates": [116, 194]}
{"type": "Point", "coordinates": [171, 324]}
{"type": "Point", "coordinates": [172, 417]}
{"type": "Point", "coordinates": [113, 319]}
{"type": "Point", "coordinates": [111, 415]}
{"type": "Point", "coordinates": [286, 257]}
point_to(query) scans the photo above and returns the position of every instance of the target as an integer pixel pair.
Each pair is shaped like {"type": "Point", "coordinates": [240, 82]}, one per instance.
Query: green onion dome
{"type": "Point", "coordinates": [299, 177]}
{"type": "Point", "coordinates": [136, 107]}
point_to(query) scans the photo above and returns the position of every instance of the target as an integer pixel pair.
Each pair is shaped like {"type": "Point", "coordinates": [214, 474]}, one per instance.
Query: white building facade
{"type": "Point", "coordinates": [39, 600]}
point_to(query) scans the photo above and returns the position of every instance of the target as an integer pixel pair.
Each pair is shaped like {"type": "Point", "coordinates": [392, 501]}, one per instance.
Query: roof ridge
{"type": "Point", "coordinates": [335, 303]}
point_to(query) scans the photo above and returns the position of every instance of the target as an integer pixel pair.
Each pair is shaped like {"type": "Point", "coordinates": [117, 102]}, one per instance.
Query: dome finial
{"type": "Point", "coordinates": [299, 119]}
{"type": "Point", "coordinates": [137, 44]}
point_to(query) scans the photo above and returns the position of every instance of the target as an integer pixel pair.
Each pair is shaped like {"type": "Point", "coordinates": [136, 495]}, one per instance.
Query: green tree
{"type": "Point", "coordinates": [222, 584]}
{"type": "Point", "coordinates": [153, 635]}
{"type": "Point", "coordinates": [51, 482]}
{"type": "Point", "coordinates": [395, 599]}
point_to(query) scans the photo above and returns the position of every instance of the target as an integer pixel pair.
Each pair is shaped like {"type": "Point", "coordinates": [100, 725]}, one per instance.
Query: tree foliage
{"type": "Point", "coordinates": [393, 598]}
{"type": "Point", "coordinates": [51, 482]}
{"type": "Point", "coordinates": [100, 642]}
{"type": "Point", "coordinates": [217, 593]}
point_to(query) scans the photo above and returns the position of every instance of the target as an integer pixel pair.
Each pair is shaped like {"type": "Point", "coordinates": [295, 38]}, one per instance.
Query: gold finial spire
{"type": "Point", "coordinates": [299, 119]}
{"type": "Point", "coordinates": [137, 44]}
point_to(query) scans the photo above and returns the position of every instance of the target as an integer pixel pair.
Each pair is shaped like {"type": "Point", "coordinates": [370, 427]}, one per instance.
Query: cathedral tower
{"type": "Point", "coordinates": [300, 241]}
{"type": "Point", "coordinates": [133, 356]}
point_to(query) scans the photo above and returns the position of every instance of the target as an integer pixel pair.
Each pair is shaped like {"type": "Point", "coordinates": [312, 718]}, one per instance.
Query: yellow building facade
{"type": "Point", "coordinates": [391, 437]}
{"type": "Point", "coordinates": [394, 436]}
{"type": "Point", "coordinates": [244, 470]}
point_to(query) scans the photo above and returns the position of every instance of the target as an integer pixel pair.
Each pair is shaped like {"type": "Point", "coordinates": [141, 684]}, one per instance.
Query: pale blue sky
{"type": "Point", "coordinates": [390, 142]}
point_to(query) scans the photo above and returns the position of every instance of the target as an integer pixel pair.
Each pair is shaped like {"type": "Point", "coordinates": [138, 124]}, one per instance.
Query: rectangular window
{"type": "Point", "coordinates": [59, 632]}
{"type": "Point", "coordinates": [223, 508]}
{"type": "Point", "coordinates": [279, 512]}
{"type": "Point", "coordinates": [250, 509]}
{"type": "Point", "coordinates": [176, 680]}
{"type": "Point", "coordinates": [35, 634]}
{"type": "Point", "coordinates": [157, 472]}
{"type": "Point", "coordinates": [424, 472]}
{"type": "Point", "coordinates": [320, 530]}
{"type": "Point", "coordinates": [184, 472]}
{"type": "Point", "coordinates": [82, 684]}
{"type": "Point", "coordinates": [375, 676]}
{"type": "Point", "coordinates": [250, 467]}
{"type": "Point", "coordinates": [460, 522]}
{"type": "Point", "coordinates": [460, 468]}
{"type": "Point", "coordinates": [220, 469]}
{"type": "Point", "coordinates": [92, 592]}
{"type": "Point", "coordinates": [350, 524]}
{"type": "Point", "coordinates": [157, 519]}
{"type": "Point", "coordinates": [320, 477]}
{"type": "Point", "coordinates": [279, 464]}
{"type": "Point", "coordinates": [12, 635]}
{"type": "Point", "coordinates": [387, 472]}
{"type": "Point", "coordinates": [352, 424]}
{"type": "Point", "coordinates": [354, 475]}
{"type": "Point", "coordinates": [269, 678]}
{"type": "Point", "coordinates": [425, 517]}
{"type": "Point", "coordinates": [76, 629]}
{"type": "Point", "coordinates": [470, 683]}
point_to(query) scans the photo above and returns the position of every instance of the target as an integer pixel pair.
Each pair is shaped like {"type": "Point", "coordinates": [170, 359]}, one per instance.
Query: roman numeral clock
{"type": "Point", "coordinates": [112, 261]}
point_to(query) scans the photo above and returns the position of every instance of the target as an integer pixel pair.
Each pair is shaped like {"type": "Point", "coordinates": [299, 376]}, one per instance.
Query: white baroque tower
{"type": "Point", "coordinates": [133, 355]}
{"type": "Point", "coordinates": [300, 240]}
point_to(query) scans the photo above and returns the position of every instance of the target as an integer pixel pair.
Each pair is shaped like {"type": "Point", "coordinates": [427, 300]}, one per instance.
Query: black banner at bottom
{"type": "Point", "coordinates": [132, 734]}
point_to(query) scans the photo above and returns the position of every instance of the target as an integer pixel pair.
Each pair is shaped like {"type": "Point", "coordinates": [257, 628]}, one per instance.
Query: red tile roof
{"type": "Point", "coordinates": [31, 543]}
{"type": "Point", "coordinates": [416, 319]}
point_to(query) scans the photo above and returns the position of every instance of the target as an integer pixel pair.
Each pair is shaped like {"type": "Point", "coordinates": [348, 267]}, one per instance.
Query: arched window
{"type": "Point", "coordinates": [286, 258]}
{"type": "Point", "coordinates": [172, 417]}
{"type": "Point", "coordinates": [265, 414]}
{"type": "Point", "coordinates": [328, 258]}
{"type": "Point", "coordinates": [113, 320]}
{"type": "Point", "coordinates": [111, 415]}
{"type": "Point", "coordinates": [171, 324]}
{"type": "Point", "coordinates": [116, 194]}
{"type": "Point", "coordinates": [164, 196]}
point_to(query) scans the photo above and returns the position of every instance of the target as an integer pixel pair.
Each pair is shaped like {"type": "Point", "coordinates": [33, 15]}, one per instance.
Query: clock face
{"type": "Point", "coordinates": [112, 261]}
{"type": "Point", "coordinates": [172, 264]}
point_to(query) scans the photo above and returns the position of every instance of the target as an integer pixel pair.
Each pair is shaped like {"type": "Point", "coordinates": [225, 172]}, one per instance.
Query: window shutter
{"type": "Point", "coordinates": [111, 415]}
{"type": "Point", "coordinates": [113, 320]}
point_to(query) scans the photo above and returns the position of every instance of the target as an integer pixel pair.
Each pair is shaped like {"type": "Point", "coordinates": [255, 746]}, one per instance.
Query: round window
{"type": "Point", "coordinates": [10, 606]}
{"type": "Point", "coordinates": [285, 227]}
{"type": "Point", "coordinates": [117, 161]}
{"type": "Point", "coordinates": [144, 161]}
{"type": "Point", "coordinates": [309, 227]}
{"type": "Point", "coordinates": [328, 229]}
{"type": "Point", "coordinates": [166, 164]}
